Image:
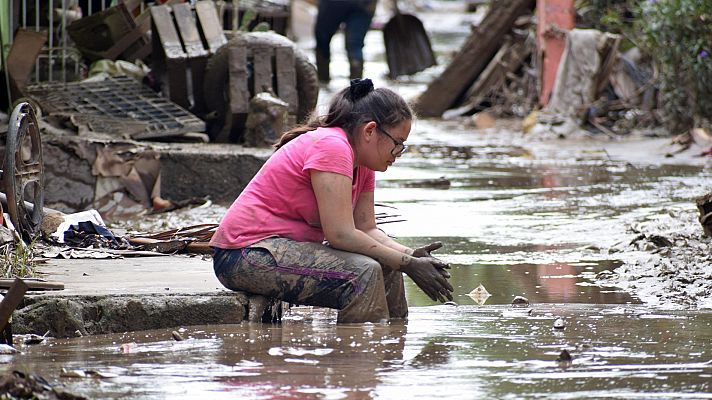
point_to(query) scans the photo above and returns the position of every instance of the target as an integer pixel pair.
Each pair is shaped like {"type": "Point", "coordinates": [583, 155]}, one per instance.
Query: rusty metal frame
{"type": "Point", "coordinates": [113, 105]}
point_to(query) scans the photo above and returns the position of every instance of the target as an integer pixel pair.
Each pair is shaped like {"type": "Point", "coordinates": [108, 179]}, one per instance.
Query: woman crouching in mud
{"type": "Point", "coordinates": [319, 185]}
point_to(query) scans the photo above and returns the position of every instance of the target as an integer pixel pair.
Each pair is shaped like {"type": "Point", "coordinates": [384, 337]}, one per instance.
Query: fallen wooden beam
{"type": "Point", "coordinates": [482, 44]}
{"type": "Point", "coordinates": [33, 284]}
{"type": "Point", "coordinates": [507, 60]}
{"type": "Point", "coordinates": [9, 303]}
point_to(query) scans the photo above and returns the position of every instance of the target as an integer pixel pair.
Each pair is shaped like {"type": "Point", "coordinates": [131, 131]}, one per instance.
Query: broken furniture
{"type": "Point", "coordinates": [23, 171]}
{"type": "Point", "coordinates": [117, 106]}
{"type": "Point", "coordinates": [445, 91]}
{"type": "Point", "coordinates": [113, 33]}
{"type": "Point", "coordinates": [274, 12]}
{"type": "Point", "coordinates": [179, 50]}
{"type": "Point", "coordinates": [252, 63]}
{"type": "Point", "coordinates": [21, 59]}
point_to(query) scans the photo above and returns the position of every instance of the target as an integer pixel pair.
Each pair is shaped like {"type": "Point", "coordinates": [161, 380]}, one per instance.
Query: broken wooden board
{"type": "Point", "coordinates": [479, 48]}
{"type": "Point", "coordinates": [33, 284]}
{"type": "Point", "coordinates": [507, 60]}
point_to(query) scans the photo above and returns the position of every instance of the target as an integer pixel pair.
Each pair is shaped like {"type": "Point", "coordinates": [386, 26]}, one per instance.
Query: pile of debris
{"type": "Point", "coordinates": [513, 64]}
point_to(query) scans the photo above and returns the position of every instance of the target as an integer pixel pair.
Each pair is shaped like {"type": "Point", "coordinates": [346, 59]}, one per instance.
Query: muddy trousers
{"type": "Point", "coordinates": [317, 275]}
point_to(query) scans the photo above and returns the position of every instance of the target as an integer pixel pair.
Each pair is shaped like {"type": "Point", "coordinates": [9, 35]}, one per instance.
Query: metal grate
{"type": "Point", "coordinates": [118, 105]}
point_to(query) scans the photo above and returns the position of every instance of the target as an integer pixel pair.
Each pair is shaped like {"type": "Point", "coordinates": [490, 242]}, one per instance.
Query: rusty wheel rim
{"type": "Point", "coordinates": [23, 171]}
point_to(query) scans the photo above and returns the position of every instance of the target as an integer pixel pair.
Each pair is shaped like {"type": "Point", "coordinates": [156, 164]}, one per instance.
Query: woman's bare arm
{"type": "Point", "coordinates": [365, 221]}
{"type": "Point", "coordinates": [333, 196]}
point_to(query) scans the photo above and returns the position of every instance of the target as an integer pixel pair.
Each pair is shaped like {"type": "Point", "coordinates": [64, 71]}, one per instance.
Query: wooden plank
{"type": "Point", "coordinates": [34, 284]}
{"type": "Point", "coordinates": [477, 51]}
{"type": "Point", "coordinates": [239, 92]}
{"type": "Point", "coordinates": [188, 31]}
{"type": "Point", "coordinates": [166, 31]}
{"type": "Point", "coordinates": [12, 299]}
{"type": "Point", "coordinates": [507, 60]}
{"type": "Point", "coordinates": [609, 57]}
{"type": "Point", "coordinates": [210, 25]}
{"type": "Point", "coordinates": [286, 77]}
{"type": "Point", "coordinates": [197, 72]}
{"type": "Point", "coordinates": [143, 25]}
{"type": "Point", "coordinates": [262, 66]}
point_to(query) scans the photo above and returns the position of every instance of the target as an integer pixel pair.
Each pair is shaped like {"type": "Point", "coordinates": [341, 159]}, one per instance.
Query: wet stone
{"type": "Point", "coordinates": [559, 323]}
{"type": "Point", "coordinates": [520, 302]}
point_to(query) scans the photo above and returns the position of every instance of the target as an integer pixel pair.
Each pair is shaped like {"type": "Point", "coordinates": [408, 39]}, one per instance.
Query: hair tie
{"type": "Point", "coordinates": [360, 88]}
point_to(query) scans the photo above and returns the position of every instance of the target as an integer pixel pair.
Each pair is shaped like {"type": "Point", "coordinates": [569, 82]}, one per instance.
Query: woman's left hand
{"type": "Point", "coordinates": [424, 251]}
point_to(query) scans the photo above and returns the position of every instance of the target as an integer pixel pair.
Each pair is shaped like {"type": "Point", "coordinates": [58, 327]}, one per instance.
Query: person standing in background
{"type": "Point", "coordinates": [356, 15]}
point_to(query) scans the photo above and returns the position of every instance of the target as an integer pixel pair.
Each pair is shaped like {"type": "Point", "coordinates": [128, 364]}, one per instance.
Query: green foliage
{"type": "Point", "coordinates": [678, 35]}
{"type": "Point", "coordinates": [17, 261]}
{"type": "Point", "coordinates": [248, 17]}
{"type": "Point", "coordinates": [613, 16]}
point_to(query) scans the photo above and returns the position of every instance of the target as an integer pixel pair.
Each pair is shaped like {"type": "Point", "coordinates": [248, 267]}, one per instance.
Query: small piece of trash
{"type": "Point", "coordinates": [34, 339]}
{"type": "Point", "coordinates": [517, 312]}
{"type": "Point", "coordinates": [7, 349]}
{"type": "Point", "coordinates": [126, 348]}
{"type": "Point", "coordinates": [559, 323]}
{"type": "Point", "coordinates": [565, 359]}
{"type": "Point", "coordinates": [479, 294]}
{"type": "Point", "coordinates": [89, 373]}
{"type": "Point", "coordinates": [520, 302]}
{"type": "Point", "coordinates": [177, 336]}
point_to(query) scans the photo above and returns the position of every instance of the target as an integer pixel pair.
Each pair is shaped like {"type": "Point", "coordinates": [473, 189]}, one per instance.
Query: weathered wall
{"type": "Point", "coordinates": [219, 171]}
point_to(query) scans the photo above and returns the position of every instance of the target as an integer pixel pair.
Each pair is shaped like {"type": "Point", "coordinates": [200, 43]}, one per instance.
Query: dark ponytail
{"type": "Point", "coordinates": [355, 105]}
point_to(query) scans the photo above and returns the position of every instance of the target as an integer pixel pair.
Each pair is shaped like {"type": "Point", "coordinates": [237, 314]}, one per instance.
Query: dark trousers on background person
{"type": "Point", "coordinates": [356, 15]}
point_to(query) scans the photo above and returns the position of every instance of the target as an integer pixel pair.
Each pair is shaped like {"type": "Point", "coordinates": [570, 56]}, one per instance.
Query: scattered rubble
{"type": "Point", "coordinates": [668, 262]}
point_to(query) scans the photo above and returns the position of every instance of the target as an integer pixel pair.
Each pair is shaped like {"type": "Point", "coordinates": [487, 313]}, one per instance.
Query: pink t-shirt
{"type": "Point", "coordinates": [280, 200]}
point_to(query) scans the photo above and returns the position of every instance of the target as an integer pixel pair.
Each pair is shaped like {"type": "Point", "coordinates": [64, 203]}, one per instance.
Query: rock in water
{"type": "Point", "coordinates": [520, 302]}
{"type": "Point", "coordinates": [559, 323]}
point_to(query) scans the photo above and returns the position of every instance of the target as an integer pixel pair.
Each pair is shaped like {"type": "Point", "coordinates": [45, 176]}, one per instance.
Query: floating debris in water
{"type": "Point", "coordinates": [565, 359]}
{"type": "Point", "coordinates": [88, 373]}
{"type": "Point", "coordinates": [520, 302]}
{"type": "Point", "coordinates": [517, 312]}
{"type": "Point", "coordinates": [35, 339]}
{"type": "Point", "coordinates": [177, 336]}
{"type": "Point", "coordinates": [7, 349]}
{"type": "Point", "coordinates": [479, 295]}
{"type": "Point", "coordinates": [559, 323]}
{"type": "Point", "coordinates": [126, 347]}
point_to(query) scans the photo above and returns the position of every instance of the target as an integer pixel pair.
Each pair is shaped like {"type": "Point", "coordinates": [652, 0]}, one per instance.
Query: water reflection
{"type": "Point", "coordinates": [458, 352]}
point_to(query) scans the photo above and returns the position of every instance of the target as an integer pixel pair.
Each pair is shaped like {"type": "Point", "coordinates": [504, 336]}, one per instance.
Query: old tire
{"type": "Point", "coordinates": [220, 125]}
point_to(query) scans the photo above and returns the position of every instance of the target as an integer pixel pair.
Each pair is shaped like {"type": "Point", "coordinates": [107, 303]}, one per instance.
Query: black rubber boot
{"type": "Point", "coordinates": [322, 68]}
{"type": "Point", "coordinates": [355, 69]}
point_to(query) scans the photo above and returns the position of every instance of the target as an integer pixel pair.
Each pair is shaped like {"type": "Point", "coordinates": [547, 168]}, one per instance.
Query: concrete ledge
{"type": "Point", "coordinates": [220, 171]}
{"type": "Point", "coordinates": [70, 316]}
{"type": "Point", "coordinates": [89, 172]}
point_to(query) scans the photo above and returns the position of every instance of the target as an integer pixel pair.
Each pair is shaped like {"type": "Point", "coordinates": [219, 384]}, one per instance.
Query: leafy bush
{"type": "Point", "coordinates": [678, 35]}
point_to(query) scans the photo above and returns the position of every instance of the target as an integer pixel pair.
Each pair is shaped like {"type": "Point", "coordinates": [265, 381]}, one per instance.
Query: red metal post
{"type": "Point", "coordinates": [555, 19]}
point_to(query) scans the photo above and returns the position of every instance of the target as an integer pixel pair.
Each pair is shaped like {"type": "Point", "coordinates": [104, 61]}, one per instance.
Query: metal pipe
{"type": "Point", "coordinates": [29, 206]}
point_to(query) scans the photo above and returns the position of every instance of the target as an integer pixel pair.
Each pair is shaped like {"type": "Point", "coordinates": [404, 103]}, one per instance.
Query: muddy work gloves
{"type": "Point", "coordinates": [425, 251]}
{"type": "Point", "coordinates": [427, 273]}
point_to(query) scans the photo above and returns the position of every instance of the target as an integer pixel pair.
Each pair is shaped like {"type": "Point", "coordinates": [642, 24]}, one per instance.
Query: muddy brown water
{"type": "Point", "coordinates": [522, 219]}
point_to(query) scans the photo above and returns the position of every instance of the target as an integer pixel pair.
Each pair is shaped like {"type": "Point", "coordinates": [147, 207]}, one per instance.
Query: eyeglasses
{"type": "Point", "coordinates": [399, 147]}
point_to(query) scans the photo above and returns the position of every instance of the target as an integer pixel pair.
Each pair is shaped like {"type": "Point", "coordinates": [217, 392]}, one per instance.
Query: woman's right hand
{"type": "Point", "coordinates": [427, 273]}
